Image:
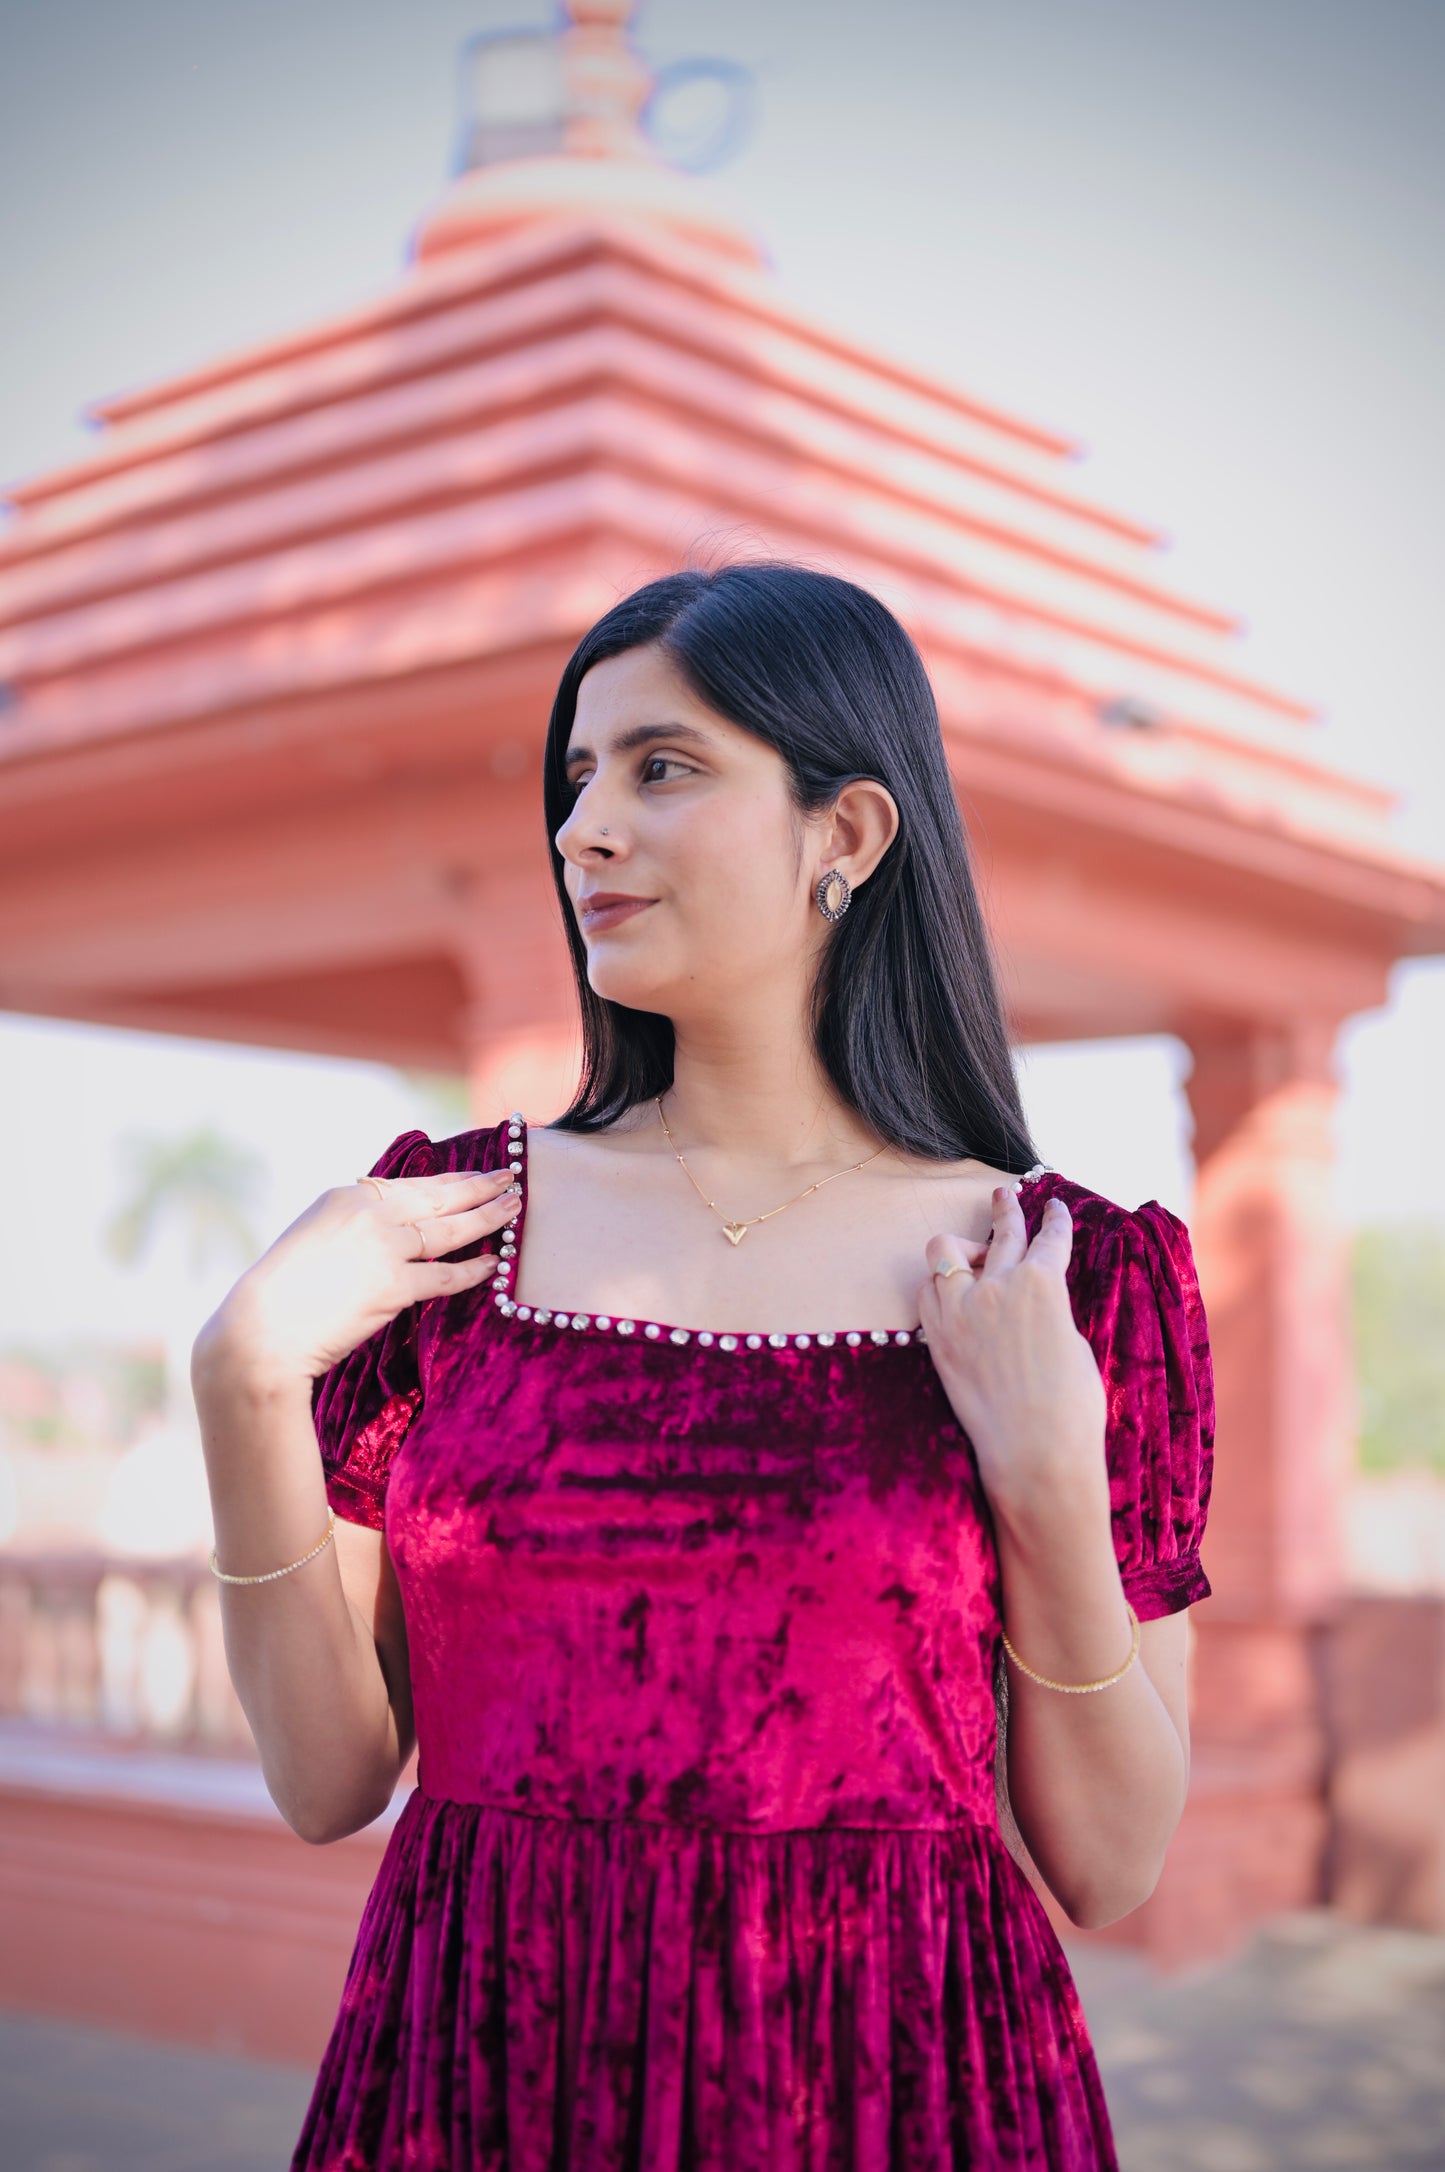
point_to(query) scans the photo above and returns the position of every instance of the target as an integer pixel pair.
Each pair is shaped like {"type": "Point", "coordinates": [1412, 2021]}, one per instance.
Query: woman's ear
{"type": "Point", "coordinates": [861, 826]}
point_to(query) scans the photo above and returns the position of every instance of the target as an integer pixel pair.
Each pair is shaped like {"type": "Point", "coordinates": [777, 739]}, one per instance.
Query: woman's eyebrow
{"type": "Point", "coordinates": [642, 735]}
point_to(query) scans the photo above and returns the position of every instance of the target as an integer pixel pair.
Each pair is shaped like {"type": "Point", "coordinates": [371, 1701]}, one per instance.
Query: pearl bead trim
{"type": "Point", "coordinates": [604, 1323]}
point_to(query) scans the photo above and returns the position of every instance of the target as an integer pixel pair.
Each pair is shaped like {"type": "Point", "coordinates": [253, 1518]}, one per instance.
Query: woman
{"type": "Point", "coordinates": [698, 1459]}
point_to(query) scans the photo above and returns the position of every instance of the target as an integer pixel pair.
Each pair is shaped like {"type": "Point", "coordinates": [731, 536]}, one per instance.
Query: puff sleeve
{"type": "Point", "coordinates": [365, 1403]}
{"type": "Point", "coordinates": [1144, 1319]}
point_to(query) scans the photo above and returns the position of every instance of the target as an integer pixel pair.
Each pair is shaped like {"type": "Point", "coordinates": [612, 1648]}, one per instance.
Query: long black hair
{"type": "Point", "coordinates": [906, 1014]}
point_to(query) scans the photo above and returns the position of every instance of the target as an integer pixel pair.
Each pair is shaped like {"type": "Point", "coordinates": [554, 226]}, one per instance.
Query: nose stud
{"type": "Point", "coordinates": [604, 833]}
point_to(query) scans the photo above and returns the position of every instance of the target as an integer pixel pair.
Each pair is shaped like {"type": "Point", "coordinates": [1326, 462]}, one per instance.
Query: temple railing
{"type": "Point", "coordinates": [130, 1648]}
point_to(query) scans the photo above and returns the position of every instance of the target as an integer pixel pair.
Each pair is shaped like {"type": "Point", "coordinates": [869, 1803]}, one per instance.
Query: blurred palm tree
{"type": "Point", "coordinates": [201, 1182]}
{"type": "Point", "coordinates": [199, 1185]}
{"type": "Point", "coordinates": [1399, 1321]}
{"type": "Point", "coordinates": [447, 1095]}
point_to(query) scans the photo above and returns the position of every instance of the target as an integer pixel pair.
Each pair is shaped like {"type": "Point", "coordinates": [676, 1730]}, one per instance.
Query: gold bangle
{"type": "Point", "coordinates": [271, 1574]}
{"type": "Point", "coordinates": [1079, 1689]}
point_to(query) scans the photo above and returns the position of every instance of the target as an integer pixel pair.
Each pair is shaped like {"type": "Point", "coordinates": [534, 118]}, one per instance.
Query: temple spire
{"type": "Point", "coordinates": [553, 128]}
{"type": "Point", "coordinates": [606, 83]}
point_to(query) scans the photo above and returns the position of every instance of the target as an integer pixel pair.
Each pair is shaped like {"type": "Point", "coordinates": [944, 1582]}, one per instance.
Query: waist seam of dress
{"type": "Point", "coordinates": [963, 1825]}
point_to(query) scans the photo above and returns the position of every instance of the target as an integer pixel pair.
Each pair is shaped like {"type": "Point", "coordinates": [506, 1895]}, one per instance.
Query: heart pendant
{"type": "Point", "coordinates": [735, 1232]}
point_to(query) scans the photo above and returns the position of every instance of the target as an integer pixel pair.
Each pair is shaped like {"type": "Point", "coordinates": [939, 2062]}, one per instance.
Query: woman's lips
{"type": "Point", "coordinates": [609, 911]}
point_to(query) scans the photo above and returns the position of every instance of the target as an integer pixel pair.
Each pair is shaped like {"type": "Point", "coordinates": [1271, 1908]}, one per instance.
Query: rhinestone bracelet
{"type": "Point", "coordinates": [272, 1574]}
{"type": "Point", "coordinates": [1078, 1689]}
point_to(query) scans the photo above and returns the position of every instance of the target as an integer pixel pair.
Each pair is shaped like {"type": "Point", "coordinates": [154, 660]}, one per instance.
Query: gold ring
{"type": "Point", "coordinates": [420, 1238]}
{"type": "Point", "coordinates": [954, 1267]}
{"type": "Point", "coordinates": [376, 1181]}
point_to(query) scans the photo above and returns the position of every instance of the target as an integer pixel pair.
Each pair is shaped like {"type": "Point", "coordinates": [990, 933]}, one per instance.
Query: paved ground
{"type": "Point", "coordinates": [83, 2100]}
{"type": "Point", "coordinates": [1320, 2050]}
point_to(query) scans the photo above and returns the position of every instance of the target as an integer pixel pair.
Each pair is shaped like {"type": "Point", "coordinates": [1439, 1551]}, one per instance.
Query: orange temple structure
{"type": "Point", "coordinates": [275, 663]}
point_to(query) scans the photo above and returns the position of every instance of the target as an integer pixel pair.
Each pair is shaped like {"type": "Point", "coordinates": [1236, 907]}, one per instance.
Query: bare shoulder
{"type": "Point", "coordinates": [968, 1171]}
{"type": "Point", "coordinates": [948, 1195]}
{"type": "Point", "coordinates": [636, 1127]}
{"type": "Point", "coordinates": [630, 1137]}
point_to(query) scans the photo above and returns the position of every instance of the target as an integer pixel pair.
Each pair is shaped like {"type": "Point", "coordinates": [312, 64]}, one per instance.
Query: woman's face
{"type": "Point", "coordinates": [688, 868]}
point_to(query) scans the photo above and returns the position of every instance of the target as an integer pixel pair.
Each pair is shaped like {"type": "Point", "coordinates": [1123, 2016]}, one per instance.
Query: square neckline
{"type": "Point", "coordinates": [668, 1334]}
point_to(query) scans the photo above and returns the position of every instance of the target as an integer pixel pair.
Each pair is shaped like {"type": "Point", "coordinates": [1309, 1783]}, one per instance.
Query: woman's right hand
{"type": "Point", "coordinates": [350, 1264]}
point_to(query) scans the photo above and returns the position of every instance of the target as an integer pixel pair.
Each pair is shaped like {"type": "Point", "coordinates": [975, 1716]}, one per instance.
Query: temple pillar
{"type": "Point", "coordinates": [520, 1038]}
{"type": "Point", "coordinates": [1274, 1274]}
{"type": "Point", "coordinates": [1274, 1271]}
{"type": "Point", "coordinates": [525, 1066]}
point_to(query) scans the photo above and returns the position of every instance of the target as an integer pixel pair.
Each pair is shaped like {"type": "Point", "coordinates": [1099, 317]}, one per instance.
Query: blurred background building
{"type": "Point", "coordinates": [276, 655]}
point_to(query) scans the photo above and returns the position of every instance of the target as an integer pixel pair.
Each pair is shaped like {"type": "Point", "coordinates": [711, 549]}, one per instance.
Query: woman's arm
{"type": "Point", "coordinates": [318, 1657]}
{"type": "Point", "coordinates": [1096, 1782]}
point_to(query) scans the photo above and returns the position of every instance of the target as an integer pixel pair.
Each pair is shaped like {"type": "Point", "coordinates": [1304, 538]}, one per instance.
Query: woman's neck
{"type": "Point", "coordinates": [759, 1093]}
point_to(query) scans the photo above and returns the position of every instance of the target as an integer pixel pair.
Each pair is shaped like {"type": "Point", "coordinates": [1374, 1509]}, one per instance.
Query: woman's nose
{"type": "Point", "coordinates": [585, 835]}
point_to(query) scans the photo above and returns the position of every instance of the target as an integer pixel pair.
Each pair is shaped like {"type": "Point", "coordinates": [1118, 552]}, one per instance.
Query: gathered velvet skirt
{"type": "Point", "coordinates": [545, 1994]}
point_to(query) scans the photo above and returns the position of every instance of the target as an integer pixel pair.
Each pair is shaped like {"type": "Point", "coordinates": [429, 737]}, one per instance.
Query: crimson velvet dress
{"type": "Point", "coordinates": [703, 1868]}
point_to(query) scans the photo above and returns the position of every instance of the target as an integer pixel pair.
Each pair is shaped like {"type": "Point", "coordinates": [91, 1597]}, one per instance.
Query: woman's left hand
{"type": "Point", "coordinates": [1021, 1378]}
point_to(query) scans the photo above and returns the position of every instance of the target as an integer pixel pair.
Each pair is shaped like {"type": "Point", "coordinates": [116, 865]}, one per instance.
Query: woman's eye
{"type": "Point", "coordinates": [656, 769]}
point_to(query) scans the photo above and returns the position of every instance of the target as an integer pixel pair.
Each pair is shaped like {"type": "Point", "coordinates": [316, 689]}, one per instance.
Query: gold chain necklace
{"type": "Point", "coordinates": [736, 1231]}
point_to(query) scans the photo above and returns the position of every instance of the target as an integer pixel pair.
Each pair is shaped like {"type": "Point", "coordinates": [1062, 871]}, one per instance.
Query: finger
{"type": "Point", "coordinates": [448, 1191]}
{"type": "Point", "coordinates": [408, 1199]}
{"type": "Point", "coordinates": [436, 1277]}
{"type": "Point", "coordinates": [460, 1206]}
{"type": "Point", "coordinates": [950, 1251]}
{"type": "Point", "coordinates": [1054, 1238]}
{"type": "Point", "coordinates": [443, 1233]}
{"type": "Point", "coordinates": [1010, 1237]}
{"type": "Point", "coordinates": [953, 1264]}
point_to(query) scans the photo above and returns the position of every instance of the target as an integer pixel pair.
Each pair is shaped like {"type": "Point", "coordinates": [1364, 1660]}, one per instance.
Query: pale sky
{"type": "Point", "coordinates": [1202, 236]}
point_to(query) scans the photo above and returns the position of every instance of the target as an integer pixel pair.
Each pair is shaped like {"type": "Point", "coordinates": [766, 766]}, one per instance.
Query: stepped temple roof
{"type": "Point", "coordinates": [351, 560]}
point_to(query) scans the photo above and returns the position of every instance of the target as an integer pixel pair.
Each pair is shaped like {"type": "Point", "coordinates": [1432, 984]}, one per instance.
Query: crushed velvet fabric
{"type": "Point", "coordinates": [703, 1870]}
